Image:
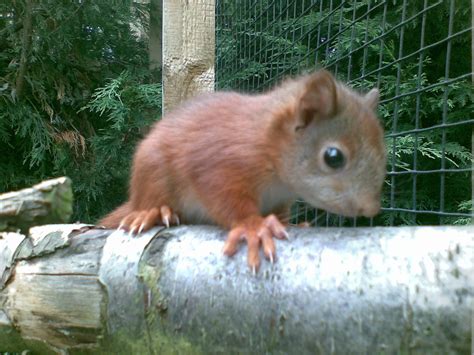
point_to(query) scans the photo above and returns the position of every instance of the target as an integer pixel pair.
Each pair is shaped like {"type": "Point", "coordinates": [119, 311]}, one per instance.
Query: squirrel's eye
{"type": "Point", "coordinates": [334, 158]}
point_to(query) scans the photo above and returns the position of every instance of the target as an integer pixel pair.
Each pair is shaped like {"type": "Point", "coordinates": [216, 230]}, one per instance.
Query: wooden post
{"type": "Point", "coordinates": [188, 50]}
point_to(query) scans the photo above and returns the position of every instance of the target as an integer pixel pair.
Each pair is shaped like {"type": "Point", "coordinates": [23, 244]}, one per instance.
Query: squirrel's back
{"type": "Point", "coordinates": [268, 148]}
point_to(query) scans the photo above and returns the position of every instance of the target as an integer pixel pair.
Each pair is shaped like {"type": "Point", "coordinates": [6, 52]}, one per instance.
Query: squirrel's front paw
{"type": "Point", "coordinates": [258, 232]}
{"type": "Point", "coordinates": [140, 221]}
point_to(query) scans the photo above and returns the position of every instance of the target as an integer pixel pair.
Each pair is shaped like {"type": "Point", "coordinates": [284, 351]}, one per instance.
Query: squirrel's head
{"type": "Point", "coordinates": [336, 157]}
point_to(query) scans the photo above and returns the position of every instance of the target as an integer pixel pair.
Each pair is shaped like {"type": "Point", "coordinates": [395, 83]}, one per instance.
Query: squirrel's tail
{"type": "Point", "coordinates": [112, 220]}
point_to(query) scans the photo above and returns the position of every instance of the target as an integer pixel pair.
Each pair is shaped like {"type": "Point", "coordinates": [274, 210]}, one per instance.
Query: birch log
{"type": "Point", "coordinates": [364, 290]}
{"type": "Point", "coordinates": [188, 50]}
{"type": "Point", "coordinates": [47, 202]}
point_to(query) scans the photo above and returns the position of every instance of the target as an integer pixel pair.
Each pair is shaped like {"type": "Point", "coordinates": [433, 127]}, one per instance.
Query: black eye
{"type": "Point", "coordinates": [334, 158]}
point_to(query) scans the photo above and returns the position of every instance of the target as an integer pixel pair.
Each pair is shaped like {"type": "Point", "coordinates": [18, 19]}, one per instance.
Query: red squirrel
{"type": "Point", "coordinates": [240, 160]}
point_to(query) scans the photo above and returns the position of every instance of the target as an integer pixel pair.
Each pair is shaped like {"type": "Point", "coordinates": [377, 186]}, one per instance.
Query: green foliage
{"type": "Point", "coordinates": [124, 98]}
{"type": "Point", "coordinates": [87, 96]}
{"type": "Point", "coordinates": [361, 42]}
{"type": "Point", "coordinates": [405, 146]}
{"type": "Point", "coordinates": [128, 106]}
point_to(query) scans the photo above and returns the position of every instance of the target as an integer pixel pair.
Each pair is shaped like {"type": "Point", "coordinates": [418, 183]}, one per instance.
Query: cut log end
{"type": "Point", "coordinates": [48, 202]}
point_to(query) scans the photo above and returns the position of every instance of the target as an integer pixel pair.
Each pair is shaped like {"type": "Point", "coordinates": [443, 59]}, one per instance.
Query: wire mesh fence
{"type": "Point", "coordinates": [417, 52]}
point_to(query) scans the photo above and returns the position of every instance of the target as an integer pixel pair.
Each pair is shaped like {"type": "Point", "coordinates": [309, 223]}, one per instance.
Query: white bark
{"type": "Point", "coordinates": [354, 290]}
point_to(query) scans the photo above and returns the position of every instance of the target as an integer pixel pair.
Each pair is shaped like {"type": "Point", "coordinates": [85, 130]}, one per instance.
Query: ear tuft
{"type": "Point", "coordinates": [319, 98]}
{"type": "Point", "coordinates": [372, 98]}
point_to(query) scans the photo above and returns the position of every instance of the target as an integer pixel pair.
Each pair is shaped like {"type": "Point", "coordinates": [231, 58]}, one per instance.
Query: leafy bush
{"type": "Point", "coordinates": [86, 96]}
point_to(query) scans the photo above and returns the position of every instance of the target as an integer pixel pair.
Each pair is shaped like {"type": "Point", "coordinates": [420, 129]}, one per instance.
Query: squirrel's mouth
{"type": "Point", "coordinates": [364, 208]}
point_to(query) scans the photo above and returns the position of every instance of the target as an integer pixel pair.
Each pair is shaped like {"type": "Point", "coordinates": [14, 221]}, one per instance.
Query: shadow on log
{"type": "Point", "coordinates": [364, 290]}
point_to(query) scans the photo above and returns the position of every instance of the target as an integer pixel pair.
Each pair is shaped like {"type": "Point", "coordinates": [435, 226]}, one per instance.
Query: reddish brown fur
{"type": "Point", "coordinates": [212, 159]}
{"type": "Point", "coordinates": [208, 160]}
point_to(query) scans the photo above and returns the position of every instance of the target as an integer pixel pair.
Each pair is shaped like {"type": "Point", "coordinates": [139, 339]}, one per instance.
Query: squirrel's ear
{"type": "Point", "coordinates": [318, 99]}
{"type": "Point", "coordinates": [372, 98]}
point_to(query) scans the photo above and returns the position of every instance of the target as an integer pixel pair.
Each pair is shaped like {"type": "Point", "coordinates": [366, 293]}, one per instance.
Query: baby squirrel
{"type": "Point", "coordinates": [240, 161]}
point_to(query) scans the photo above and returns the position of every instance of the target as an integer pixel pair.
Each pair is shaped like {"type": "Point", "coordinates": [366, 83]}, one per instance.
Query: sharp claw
{"type": "Point", "coordinates": [132, 232]}
{"type": "Point", "coordinates": [286, 235]}
{"type": "Point", "coordinates": [141, 228]}
{"type": "Point", "coordinates": [177, 221]}
{"type": "Point", "coordinates": [270, 256]}
{"type": "Point", "coordinates": [254, 271]}
{"type": "Point", "coordinates": [120, 227]}
{"type": "Point", "coordinates": [166, 221]}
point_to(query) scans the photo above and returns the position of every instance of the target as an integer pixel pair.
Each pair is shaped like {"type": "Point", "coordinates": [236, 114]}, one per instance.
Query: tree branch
{"type": "Point", "coordinates": [25, 48]}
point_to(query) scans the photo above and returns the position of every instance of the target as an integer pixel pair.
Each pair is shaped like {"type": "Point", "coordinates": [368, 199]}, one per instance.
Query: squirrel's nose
{"type": "Point", "coordinates": [369, 207]}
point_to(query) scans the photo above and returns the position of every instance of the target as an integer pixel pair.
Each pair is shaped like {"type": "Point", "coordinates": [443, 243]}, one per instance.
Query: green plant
{"type": "Point", "coordinates": [50, 70]}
